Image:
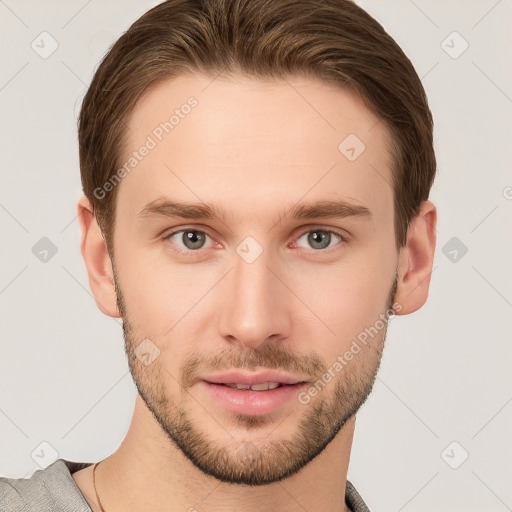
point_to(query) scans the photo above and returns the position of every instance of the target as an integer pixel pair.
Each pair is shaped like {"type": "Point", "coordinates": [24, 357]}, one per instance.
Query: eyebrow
{"type": "Point", "coordinates": [317, 210]}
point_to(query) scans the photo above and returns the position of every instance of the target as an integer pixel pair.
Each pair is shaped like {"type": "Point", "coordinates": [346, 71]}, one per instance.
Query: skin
{"type": "Point", "coordinates": [255, 149]}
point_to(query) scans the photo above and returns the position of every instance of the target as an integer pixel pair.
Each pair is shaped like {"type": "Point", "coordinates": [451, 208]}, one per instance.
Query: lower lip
{"type": "Point", "coordinates": [253, 403]}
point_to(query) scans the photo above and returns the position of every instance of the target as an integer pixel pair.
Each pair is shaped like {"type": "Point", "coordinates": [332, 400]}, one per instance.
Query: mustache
{"type": "Point", "coordinates": [270, 357]}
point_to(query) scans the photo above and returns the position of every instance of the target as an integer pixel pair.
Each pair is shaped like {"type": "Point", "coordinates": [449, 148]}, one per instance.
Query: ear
{"type": "Point", "coordinates": [415, 261]}
{"type": "Point", "coordinates": [97, 260]}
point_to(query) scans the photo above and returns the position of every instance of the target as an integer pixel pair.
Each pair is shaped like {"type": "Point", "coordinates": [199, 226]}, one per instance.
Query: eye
{"type": "Point", "coordinates": [321, 238]}
{"type": "Point", "coordinates": [192, 239]}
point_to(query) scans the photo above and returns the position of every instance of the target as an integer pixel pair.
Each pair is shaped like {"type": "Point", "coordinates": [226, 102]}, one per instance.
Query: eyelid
{"type": "Point", "coordinates": [201, 229]}
{"type": "Point", "coordinates": [343, 238]}
{"type": "Point", "coordinates": [341, 233]}
{"type": "Point", "coordinates": [178, 229]}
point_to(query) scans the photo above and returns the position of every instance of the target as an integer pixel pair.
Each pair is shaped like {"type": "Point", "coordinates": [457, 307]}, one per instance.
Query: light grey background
{"type": "Point", "coordinates": [445, 374]}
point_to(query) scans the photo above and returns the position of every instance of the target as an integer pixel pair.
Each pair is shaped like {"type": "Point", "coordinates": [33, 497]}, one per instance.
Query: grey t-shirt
{"type": "Point", "coordinates": [53, 490]}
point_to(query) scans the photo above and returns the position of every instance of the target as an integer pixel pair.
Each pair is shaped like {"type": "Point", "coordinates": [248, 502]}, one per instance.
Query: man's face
{"type": "Point", "coordinates": [254, 289]}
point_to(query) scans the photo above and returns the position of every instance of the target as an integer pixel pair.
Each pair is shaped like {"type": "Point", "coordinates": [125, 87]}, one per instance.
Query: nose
{"type": "Point", "coordinates": [255, 303]}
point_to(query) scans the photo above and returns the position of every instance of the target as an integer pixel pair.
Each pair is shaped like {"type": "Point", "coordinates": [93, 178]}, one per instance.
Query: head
{"type": "Point", "coordinates": [256, 179]}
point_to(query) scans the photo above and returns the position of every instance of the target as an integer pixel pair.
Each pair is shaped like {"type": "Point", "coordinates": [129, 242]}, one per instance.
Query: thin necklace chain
{"type": "Point", "coordinates": [94, 483]}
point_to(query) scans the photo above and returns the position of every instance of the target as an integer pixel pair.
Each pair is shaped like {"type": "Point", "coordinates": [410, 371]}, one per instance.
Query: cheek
{"type": "Point", "coordinates": [167, 301]}
{"type": "Point", "coordinates": [146, 287]}
{"type": "Point", "coordinates": [343, 300]}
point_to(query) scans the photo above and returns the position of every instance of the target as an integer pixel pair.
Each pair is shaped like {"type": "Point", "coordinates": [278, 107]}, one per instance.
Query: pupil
{"type": "Point", "coordinates": [193, 239]}
{"type": "Point", "coordinates": [319, 237]}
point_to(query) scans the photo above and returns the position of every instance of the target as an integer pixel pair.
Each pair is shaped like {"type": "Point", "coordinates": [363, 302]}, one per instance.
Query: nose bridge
{"type": "Point", "coordinates": [253, 304]}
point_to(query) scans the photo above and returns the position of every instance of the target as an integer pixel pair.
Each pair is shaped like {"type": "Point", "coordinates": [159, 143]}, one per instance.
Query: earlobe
{"type": "Point", "coordinates": [416, 260]}
{"type": "Point", "coordinates": [97, 260]}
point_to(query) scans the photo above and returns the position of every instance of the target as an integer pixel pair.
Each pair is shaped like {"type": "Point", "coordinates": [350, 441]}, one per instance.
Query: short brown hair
{"type": "Point", "coordinates": [332, 40]}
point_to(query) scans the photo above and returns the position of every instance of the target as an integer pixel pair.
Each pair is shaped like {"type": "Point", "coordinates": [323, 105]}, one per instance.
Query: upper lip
{"type": "Point", "coordinates": [238, 377]}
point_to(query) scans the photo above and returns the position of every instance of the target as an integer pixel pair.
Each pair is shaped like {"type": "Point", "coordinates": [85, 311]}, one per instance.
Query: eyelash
{"type": "Point", "coordinates": [180, 250]}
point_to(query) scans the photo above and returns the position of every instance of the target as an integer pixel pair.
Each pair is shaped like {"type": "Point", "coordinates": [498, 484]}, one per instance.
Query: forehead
{"type": "Point", "coordinates": [250, 144]}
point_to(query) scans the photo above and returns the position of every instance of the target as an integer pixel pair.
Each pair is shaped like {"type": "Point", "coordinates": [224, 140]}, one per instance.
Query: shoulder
{"type": "Point", "coordinates": [51, 488]}
{"type": "Point", "coordinates": [10, 497]}
{"type": "Point", "coordinates": [354, 499]}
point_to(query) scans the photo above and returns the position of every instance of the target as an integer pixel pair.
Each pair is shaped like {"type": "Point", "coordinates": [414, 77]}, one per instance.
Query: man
{"type": "Point", "coordinates": [256, 179]}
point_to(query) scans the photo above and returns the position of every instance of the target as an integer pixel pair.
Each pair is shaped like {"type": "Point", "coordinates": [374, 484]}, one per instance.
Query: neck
{"type": "Point", "coordinates": [148, 472]}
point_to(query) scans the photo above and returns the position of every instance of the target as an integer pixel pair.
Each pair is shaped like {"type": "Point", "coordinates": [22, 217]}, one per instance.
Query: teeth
{"type": "Point", "coordinates": [264, 386]}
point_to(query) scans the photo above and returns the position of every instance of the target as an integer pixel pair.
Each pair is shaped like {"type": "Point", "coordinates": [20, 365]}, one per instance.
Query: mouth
{"type": "Point", "coordinates": [264, 386]}
{"type": "Point", "coordinates": [253, 399]}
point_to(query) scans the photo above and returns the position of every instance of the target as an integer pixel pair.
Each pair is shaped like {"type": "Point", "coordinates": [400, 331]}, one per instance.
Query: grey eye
{"type": "Point", "coordinates": [190, 238]}
{"type": "Point", "coordinates": [319, 239]}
